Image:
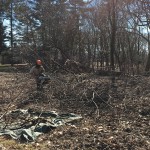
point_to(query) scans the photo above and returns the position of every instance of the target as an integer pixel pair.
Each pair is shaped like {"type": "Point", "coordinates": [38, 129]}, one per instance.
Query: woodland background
{"type": "Point", "coordinates": [96, 33]}
{"type": "Point", "coordinates": [99, 37]}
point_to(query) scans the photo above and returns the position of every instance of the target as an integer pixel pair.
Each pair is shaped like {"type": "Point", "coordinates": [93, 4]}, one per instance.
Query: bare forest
{"type": "Point", "coordinates": [96, 54]}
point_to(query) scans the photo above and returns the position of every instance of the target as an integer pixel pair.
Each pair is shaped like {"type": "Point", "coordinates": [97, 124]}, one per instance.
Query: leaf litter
{"type": "Point", "coordinates": [112, 117]}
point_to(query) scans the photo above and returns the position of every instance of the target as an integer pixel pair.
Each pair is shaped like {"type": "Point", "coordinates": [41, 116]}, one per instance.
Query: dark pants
{"type": "Point", "coordinates": [41, 81]}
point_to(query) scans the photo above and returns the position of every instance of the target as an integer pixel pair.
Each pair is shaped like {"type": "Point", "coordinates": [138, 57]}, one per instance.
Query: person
{"type": "Point", "coordinates": [37, 73]}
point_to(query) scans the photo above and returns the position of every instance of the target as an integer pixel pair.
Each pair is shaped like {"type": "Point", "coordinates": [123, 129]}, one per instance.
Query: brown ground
{"type": "Point", "coordinates": [114, 118]}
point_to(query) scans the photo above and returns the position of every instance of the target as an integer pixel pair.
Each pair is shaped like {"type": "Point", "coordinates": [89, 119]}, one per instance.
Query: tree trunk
{"type": "Point", "coordinates": [147, 68]}
{"type": "Point", "coordinates": [113, 39]}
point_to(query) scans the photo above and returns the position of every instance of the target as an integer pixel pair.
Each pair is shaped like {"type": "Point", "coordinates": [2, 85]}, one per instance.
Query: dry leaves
{"type": "Point", "coordinates": [112, 118]}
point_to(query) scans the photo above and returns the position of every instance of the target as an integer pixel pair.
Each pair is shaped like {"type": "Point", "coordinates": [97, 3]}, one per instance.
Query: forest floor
{"type": "Point", "coordinates": [113, 117]}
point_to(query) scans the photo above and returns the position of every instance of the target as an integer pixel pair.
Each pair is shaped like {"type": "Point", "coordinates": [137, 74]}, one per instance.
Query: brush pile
{"type": "Point", "coordinates": [113, 116]}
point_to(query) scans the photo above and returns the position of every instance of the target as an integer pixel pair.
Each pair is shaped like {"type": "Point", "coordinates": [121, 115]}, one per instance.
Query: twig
{"type": "Point", "coordinates": [97, 109]}
{"type": "Point", "coordinates": [66, 69]}
{"type": "Point", "coordinates": [103, 100]}
{"type": "Point", "coordinates": [8, 106]}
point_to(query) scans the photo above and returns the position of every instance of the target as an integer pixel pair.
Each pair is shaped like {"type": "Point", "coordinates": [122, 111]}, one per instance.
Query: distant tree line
{"type": "Point", "coordinates": [95, 33]}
